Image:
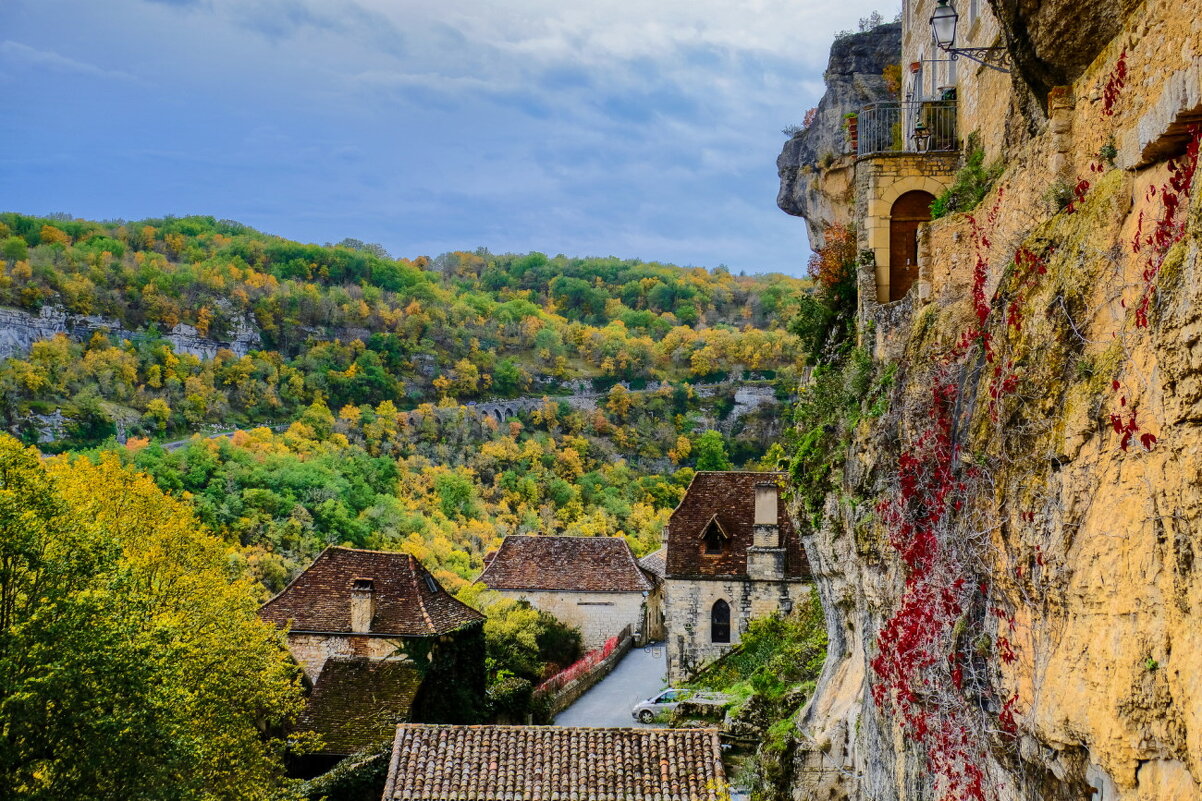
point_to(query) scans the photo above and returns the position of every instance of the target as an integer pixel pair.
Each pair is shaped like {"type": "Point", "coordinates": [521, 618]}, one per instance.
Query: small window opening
{"type": "Point", "coordinates": [362, 585]}
{"type": "Point", "coordinates": [431, 583]}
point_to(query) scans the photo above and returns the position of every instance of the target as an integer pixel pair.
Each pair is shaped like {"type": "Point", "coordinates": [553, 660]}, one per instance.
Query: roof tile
{"type": "Point", "coordinates": [409, 601]}
{"type": "Point", "coordinates": [580, 564]}
{"type": "Point", "coordinates": [358, 702]}
{"type": "Point", "coordinates": [550, 763]}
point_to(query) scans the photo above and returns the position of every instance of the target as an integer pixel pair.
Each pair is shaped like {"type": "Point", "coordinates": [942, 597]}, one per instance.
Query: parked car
{"type": "Point", "coordinates": [664, 702]}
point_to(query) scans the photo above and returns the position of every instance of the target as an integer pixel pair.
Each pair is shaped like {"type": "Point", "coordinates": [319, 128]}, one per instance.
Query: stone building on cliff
{"type": "Point", "coordinates": [732, 555]}
{"type": "Point", "coordinates": [380, 641]}
{"type": "Point", "coordinates": [593, 583]}
{"type": "Point", "coordinates": [1057, 322]}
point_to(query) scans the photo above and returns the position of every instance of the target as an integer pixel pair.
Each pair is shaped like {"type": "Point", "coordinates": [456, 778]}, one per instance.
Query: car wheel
{"type": "Point", "coordinates": [646, 716]}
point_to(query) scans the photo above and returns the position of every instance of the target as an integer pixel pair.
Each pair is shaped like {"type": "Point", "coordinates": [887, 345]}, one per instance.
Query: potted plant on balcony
{"type": "Point", "coordinates": [851, 123]}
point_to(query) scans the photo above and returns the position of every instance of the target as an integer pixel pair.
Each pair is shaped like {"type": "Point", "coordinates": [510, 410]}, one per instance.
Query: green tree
{"type": "Point", "coordinates": [14, 249]}
{"type": "Point", "coordinates": [710, 449]}
{"type": "Point", "coordinates": [130, 666]}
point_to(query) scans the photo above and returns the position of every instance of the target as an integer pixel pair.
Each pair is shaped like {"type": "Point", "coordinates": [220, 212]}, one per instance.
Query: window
{"type": "Point", "coordinates": [714, 537]}
{"type": "Point", "coordinates": [720, 622]}
{"type": "Point", "coordinates": [362, 585]}
{"type": "Point", "coordinates": [431, 583]}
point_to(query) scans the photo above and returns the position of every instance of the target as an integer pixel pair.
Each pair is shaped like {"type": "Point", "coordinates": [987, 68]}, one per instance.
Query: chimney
{"type": "Point", "coordinates": [766, 530]}
{"type": "Point", "coordinates": [363, 605]}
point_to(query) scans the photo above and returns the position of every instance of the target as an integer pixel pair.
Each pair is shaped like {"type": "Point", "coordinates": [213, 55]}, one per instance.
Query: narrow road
{"type": "Point", "coordinates": [638, 676]}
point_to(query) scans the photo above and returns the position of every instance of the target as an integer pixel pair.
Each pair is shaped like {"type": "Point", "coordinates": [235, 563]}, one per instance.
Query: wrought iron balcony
{"type": "Point", "coordinates": [927, 127]}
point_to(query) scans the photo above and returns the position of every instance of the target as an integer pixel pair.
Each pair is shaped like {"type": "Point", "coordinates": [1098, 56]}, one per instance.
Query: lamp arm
{"type": "Point", "coordinates": [987, 53]}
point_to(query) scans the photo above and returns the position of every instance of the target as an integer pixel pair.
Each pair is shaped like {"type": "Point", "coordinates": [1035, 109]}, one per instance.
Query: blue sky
{"type": "Point", "coordinates": [634, 128]}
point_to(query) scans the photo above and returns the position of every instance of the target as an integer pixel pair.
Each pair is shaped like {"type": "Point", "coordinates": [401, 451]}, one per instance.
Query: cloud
{"type": "Point", "coordinates": [629, 127]}
{"type": "Point", "coordinates": [18, 53]}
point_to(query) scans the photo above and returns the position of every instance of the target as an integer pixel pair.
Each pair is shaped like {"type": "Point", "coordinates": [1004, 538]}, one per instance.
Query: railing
{"type": "Point", "coordinates": [907, 128]}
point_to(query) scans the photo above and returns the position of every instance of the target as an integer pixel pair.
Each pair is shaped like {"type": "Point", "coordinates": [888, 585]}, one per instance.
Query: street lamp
{"type": "Point", "coordinates": [943, 31]}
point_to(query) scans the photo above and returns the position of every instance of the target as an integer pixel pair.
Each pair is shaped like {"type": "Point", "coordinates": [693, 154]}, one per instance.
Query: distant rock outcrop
{"type": "Point", "coordinates": [19, 329]}
{"type": "Point", "coordinates": [814, 167]}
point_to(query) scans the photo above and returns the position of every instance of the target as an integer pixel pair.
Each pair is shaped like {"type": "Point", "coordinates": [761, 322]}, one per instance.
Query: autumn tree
{"type": "Point", "coordinates": [131, 667]}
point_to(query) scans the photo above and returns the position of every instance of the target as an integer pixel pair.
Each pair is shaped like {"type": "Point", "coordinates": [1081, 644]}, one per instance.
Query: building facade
{"type": "Point", "coordinates": [376, 624]}
{"type": "Point", "coordinates": [732, 555]}
{"type": "Point", "coordinates": [592, 583]}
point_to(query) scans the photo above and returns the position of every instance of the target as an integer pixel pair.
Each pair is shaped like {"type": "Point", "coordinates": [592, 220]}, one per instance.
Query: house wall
{"type": "Point", "coordinates": [880, 181]}
{"type": "Point", "coordinates": [687, 607]}
{"type": "Point", "coordinates": [599, 615]}
{"type": "Point", "coordinates": [653, 615]}
{"type": "Point", "coordinates": [312, 650]}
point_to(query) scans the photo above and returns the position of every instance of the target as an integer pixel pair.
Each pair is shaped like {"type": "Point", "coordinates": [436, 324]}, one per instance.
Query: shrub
{"type": "Point", "coordinates": [972, 182]}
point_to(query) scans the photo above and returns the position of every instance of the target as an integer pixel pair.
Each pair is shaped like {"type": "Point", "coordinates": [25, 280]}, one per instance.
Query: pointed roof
{"type": "Point", "coordinates": [554, 763]}
{"type": "Point", "coordinates": [409, 602]}
{"type": "Point", "coordinates": [655, 563]}
{"type": "Point", "coordinates": [576, 564]}
{"type": "Point", "coordinates": [713, 522]}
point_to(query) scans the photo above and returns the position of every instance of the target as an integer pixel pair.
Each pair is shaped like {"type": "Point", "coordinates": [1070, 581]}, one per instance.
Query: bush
{"type": "Point", "coordinates": [972, 182]}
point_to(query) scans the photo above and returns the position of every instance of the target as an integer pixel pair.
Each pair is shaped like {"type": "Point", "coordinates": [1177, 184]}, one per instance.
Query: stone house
{"type": "Point", "coordinates": [732, 556]}
{"type": "Point", "coordinates": [539, 763]}
{"type": "Point", "coordinates": [654, 565]}
{"type": "Point", "coordinates": [380, 641]}
{"type": "Point", "coordinates": [593, 583]}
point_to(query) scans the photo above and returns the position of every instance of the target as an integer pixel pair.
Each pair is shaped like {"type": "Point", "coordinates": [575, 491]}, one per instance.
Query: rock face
{"type": "Point", "coordinates": [814, 167]}
{"type": "Point", "coordinates": [1036, 473]}
{"type": "Point", "coordinates": [19, 329]}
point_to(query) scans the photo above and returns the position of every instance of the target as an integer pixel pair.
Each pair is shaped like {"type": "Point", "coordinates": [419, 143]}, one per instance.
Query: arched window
{"type": "Point", "coordinates": [720, 622]}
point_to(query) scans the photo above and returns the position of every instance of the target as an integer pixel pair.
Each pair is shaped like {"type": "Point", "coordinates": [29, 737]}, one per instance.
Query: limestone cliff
{"type": "Point", "coordinates": [1010, 562]}
{"type": "Point", "coordinates": [19, 329]}
{"type": "Point", "coordinates": [814, 167]}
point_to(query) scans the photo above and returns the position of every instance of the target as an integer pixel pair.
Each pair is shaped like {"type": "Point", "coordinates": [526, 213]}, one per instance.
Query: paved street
{"type": "Point", "coordinates": [639, 675]}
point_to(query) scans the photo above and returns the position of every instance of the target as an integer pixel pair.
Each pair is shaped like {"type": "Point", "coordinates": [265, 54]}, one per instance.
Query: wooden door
{"type": "Point", "coordinates": [909, 211]}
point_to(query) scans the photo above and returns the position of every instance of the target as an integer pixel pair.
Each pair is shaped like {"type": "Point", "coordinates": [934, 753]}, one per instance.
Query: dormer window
{"type": "Point", "coordinates": [714, 537]}
{"type": "Point", "coordinates": [431, 583]}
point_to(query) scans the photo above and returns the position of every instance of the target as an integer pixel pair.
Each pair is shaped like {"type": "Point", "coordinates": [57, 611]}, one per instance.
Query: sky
{"type": "Point", "coordinates": [634, 128]}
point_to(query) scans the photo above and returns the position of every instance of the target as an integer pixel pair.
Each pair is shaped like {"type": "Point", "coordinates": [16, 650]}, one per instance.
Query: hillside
{"type": "Point", "coordinates": [174, 324]}
{"type": "Point", "coordinates": [379, 380]}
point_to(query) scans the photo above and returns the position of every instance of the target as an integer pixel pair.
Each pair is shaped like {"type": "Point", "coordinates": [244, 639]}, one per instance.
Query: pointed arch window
{"type": "Point", "coordinates": [720, 622]}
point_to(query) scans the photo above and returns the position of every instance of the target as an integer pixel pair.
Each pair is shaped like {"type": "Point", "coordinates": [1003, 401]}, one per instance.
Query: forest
{"type": "Point", "coordinates": [346, 324]}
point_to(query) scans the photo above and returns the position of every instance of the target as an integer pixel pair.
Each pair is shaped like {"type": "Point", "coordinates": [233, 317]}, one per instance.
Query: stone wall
{"type": "Point", "coordinates": [880, 181]}
{"type": "Point", "coordinates": [571, 692]}
{"type": "Point", "coordinates": [312, 650]}
{"type": "Point", "coordinates": [688, 604]}
{"type": "Point", "coordinates": [598, 615]}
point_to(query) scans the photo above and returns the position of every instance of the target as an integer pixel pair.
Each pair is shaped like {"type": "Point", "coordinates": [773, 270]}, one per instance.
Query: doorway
{"type": "Point", "coordinates": [908, 212]}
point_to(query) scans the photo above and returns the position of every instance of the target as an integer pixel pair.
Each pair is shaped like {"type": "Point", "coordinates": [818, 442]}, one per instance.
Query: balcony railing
{"type": "Point", "coordinates": [928, 127]}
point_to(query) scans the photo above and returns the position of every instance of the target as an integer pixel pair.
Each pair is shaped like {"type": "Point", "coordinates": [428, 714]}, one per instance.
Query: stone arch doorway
{"type": "Point", "coordinates": [910, 210]}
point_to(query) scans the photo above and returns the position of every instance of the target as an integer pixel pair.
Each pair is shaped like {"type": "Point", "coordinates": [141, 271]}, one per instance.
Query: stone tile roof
{"type": "Point", "coordinates": [729, 497]}
{"type": "Point", "coordinates": [409, 602]}
{"type": "Point", "coordinates": [579, 564]}
{"type": "Point", "coordinates": [655, 563]}
{"type": "Point", "coordinates": [550, 763]}
{"type": "Point", "coordinates": [358, 702]}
